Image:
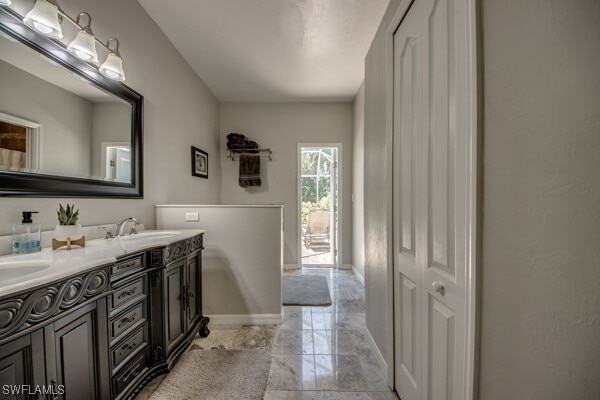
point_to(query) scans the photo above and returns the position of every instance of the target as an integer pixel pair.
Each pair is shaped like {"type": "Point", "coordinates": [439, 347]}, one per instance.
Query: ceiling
{"type": "Point", "coordinates": [273, 50]}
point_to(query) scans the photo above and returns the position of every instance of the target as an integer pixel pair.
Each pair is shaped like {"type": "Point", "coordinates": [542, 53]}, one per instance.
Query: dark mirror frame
{"type": "Point", "coordinates": [41, 185]}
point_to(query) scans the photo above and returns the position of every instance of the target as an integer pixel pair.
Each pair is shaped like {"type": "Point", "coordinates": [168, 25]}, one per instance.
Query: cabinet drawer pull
{"type": "Point", "coordinates": [130, 346]}
{"type": "Point", "coordinates": [127, 293]}
{"type": "Point", "coordinates": [127, 265]}
{"type": "Point", "coordinates": [132, 374]}
{"type": "Point", "coordinates": [127, 320]}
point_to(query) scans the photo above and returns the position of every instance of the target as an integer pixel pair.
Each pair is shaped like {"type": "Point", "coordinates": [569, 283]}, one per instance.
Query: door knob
{"type": "Point", "coordinates": [439, 287]}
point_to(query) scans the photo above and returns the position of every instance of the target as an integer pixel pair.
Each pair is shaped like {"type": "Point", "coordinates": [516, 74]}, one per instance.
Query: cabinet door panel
{"type": "Point", "coordinates": [21, 363]}
{"type": "Point", "coordinates": [75, 362]}
{"type": "Point", "coordinates": [175, 320]}
{"type": "Point", "coordinates": [76, 348]}
{"type": "Point", "coordinates": [193, 288]}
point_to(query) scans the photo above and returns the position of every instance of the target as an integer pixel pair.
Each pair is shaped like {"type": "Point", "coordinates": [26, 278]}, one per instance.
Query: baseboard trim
{"type": "Point", "coordinates": [245, 319]}
{"type": "Point", "coordinates": [358, 275]}
{"type": "Point", "coordinates": [348, 267]}
{"type": "Point", "coordinates": [290, 267]}
{"type": "Point", "coordinates": [378, 355]}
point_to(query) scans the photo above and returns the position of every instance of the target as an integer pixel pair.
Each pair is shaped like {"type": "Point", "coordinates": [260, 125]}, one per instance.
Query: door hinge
{"type": "Point", "coordinates": [335, 164]}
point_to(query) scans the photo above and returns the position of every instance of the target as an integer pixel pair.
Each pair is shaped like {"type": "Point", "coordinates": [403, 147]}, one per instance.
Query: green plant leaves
{"type": "Point", "coordinates": [68, 216]}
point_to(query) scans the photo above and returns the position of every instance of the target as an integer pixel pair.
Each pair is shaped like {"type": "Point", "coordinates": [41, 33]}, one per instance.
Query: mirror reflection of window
{"type": "Point", "coordinates": [13, 147]}
{"type": "Point", "coordinates": [19, 144]}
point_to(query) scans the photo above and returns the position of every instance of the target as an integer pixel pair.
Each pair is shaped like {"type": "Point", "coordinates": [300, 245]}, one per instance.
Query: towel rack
{"type": "Point", "coordinates": [233, 152]}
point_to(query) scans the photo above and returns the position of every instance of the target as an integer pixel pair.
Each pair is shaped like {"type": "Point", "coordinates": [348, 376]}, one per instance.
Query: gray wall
{"type": "Point", "coordinates": [179, 111]}
{"type": "Point", "coordinates": [376, 187]}
{"type": "Point", "coordinates": [540, 306]}
{"type": "Point", "coordinates": [241, 261]}
{"type": "Point", "coordinates": [540, 310]}
{"type": "Point", "coordinates": [281, 126]}
{"type": "Point", "coordinates": [358, 183]}
{"type": "Point", "coordinates": [111, 123]}
{"type": "Point", "coordinates": [65, 118]}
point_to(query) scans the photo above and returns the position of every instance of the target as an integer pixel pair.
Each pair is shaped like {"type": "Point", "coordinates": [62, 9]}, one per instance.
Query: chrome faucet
{"type": "Point", "coordinates": [121, 226]}
{"type": "Point", "coordinates": [109, 234]}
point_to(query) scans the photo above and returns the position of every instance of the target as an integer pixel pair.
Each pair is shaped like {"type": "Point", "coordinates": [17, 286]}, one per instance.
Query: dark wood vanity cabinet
{"type": "Point", "coordinates": [176, 300]}
{"type": "Point", "coordinates": [52, 336]}
{"type": "Point", "coordinates": [105, 333]}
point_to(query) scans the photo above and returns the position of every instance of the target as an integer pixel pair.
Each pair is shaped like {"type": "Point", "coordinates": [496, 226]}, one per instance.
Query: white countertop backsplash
{"type": "Point", "coordinates": [64, 263]}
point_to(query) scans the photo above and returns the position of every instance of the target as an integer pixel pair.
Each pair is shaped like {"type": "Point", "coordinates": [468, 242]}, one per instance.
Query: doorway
{"type": "Point", "coordinates": [434, 194]}
{"type": "Point", "coordinates": [116, 162]}
{"type": "Point", "coordinates": [318, 205]}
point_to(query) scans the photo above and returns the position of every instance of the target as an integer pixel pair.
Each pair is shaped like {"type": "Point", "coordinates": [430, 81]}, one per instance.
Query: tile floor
{"type": "Point", "coordinates": [317, 256]}
{"type": "Point", "coordinates": [318, 353]}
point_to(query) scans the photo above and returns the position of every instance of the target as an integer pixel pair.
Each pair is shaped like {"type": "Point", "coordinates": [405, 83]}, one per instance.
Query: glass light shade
{"type": "Point", "coordinates": [84, 47]}
{"type": "Point", "coordinates": [4, 2]}
{"type": "Point", "coordinates": [43, 18]}
{"type": "Point", "coordinates": [113, 68]}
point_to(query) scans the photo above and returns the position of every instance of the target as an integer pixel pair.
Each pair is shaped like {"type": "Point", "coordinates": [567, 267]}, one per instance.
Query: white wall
{"type": "Point", "coordinates": [65, 119]}
{"type": "Point", "coordinates": [540, 310]}
{"type": "Point", "coordinates": [241, 261]}
{"type": "Point", "coordinates": [111, 123]}
{"type": "Point", "coordinates": [179, 111]}
{"type": "Point", "coordinates": [376, 187]}
{"type": "Point", "coordinates": [358, 183]}
{"type": "Point", "coordinates": [281, 126]}
{"type": "Point", "coordinates": [540, 306]}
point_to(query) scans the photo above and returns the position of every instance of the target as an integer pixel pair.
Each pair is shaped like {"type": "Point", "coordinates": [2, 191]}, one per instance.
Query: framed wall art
{"type": "Point", "coordinates": [199, 163]}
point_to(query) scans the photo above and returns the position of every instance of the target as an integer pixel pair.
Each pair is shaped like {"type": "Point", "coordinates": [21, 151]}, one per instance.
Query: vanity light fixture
{"type": "Point", "coordinates": [84, 44]}
{"type": "Point", "coordinates": [113, 66]}
{"type": "Point", "coordinates": [46, 16]}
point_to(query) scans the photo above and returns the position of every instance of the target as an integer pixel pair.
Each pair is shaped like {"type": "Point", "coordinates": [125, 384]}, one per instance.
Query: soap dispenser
{"type": "Point", "coordinates": [27, 236]}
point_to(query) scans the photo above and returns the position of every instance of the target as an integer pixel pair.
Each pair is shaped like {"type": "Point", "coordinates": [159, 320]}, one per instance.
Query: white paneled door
{"type": "Point", "coordinates": [434, 157]}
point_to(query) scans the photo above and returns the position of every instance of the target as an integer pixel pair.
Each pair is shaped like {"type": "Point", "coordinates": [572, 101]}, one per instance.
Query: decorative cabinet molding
{"type": "Point", "coordinates": [30, 309]}
{"type": "Point", "coordinates": [111, 329]}
{"type": "Point", "coordinates": [181, 249]}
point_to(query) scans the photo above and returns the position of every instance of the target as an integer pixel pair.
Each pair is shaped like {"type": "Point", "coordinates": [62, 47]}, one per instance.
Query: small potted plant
{"type": "Point", "coordinates": [67, 227]}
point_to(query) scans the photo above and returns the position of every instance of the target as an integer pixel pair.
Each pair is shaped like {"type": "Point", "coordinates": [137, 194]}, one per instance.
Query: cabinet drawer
{"type": "Point", "coordinates": [127, 319]}
{"type": "Point", "coordinates": [128, 375]}
{"type": "Point", "coordinates": [127, 267]}
{"type": "Point", "coordinates": [127, 293]}
{"type": "Point", "coordinates": [130, 346]}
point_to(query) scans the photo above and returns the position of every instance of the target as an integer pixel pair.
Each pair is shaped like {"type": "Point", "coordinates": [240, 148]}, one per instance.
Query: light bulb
{"type": "Point", "coordinates": [111, 74]}
{"type": "Point", "coordinates": [41, 27]}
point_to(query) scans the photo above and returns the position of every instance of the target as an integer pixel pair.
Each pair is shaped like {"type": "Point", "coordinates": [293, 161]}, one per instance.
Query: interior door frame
{"type": "Point", "coordinates": [472, 267]}
{"type": "Point", "coordinates": [338, 260]}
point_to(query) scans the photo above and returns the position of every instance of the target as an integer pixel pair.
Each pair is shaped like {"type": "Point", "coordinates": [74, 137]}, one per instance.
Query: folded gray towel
{"type": "Point", "coordinates": [249, 171]}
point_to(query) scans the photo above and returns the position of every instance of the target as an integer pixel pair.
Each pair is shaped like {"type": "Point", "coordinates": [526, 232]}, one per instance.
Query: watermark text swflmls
{"type": "Point", "coordinates": [24, 390]}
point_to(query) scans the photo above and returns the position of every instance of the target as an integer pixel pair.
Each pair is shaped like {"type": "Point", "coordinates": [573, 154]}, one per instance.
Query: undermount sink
{"type": "Point", "coordinates": [151, 235]}
{"type": "Point", "coordinates": [15, 269]}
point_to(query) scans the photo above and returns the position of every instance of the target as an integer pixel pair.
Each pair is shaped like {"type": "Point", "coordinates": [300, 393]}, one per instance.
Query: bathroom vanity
{"type": "Point", "coordinates": [101, 321]}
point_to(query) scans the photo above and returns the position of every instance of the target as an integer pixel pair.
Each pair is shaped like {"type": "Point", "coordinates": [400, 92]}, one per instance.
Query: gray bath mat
{"type": "Point", "coordinates": [217, 375]}
{"type": "Point", "coordinates": [306, 290]}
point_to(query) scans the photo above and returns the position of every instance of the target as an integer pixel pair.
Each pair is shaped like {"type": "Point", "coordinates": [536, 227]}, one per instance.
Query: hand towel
{"type": "Point", "coordinates": [249, 171]}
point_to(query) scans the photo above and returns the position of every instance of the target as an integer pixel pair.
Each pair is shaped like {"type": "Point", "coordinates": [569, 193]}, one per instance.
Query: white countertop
{"type": "Point", "coordinates": [98, 252]}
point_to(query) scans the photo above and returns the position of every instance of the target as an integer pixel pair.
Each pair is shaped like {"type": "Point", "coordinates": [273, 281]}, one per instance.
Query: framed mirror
{"type": "Point", "coordinates": [65, 130]}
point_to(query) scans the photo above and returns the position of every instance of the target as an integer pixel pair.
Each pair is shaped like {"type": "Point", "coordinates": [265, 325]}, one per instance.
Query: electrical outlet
{"type": "Point", "coordinates": [192, 217]}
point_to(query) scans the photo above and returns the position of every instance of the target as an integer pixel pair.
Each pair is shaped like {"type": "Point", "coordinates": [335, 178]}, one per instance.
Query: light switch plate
{"type": "Point", "coordinates": [192, 217]}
